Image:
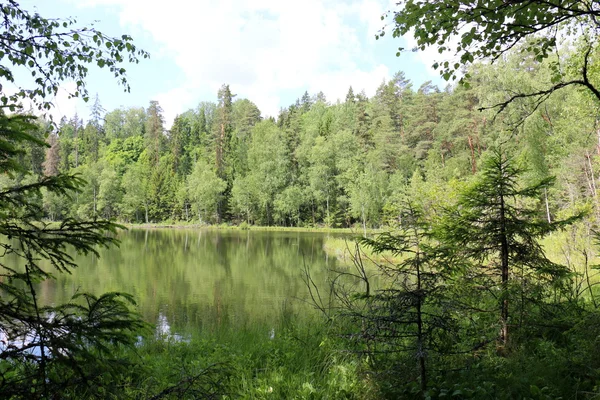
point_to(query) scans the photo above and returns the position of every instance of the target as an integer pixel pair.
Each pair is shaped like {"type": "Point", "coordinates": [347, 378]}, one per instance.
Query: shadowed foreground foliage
{"type": "Point", "coordinates": [471, 307]}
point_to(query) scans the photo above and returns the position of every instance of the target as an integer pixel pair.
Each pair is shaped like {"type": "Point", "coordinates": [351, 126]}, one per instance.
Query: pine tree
{"type": "Point", "coordinates": [363, 121]}
{"type": "Point", "coordinates": [223, 128]}
{"type": "Point", "coordinates": [97, 112]}
{"type": "Point", "coordinates": [410, 315]}
{"type": "Point", "coordinates": [72, 340]}
{"type": "Point", "coordinates": [245, 116]}
{"type": "Point", "coordinates": [350, 98]}
{"type": "Point", "coordinates": [494, 226]}
{"type": "Point", "coordinates": [320, 97]}
{"type": "Point", "coordinates": [306, 102]}
{"type": "Point", "coordinates": [155, 137]}
{"type": "Point", "coordinates": [90, 142]}
{"type": "Point", "coordinates": [179, 138]}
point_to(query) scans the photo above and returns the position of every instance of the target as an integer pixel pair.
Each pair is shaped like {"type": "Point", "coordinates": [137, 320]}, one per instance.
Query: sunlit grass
{"type": "Point", "coordinates": [291, 359]}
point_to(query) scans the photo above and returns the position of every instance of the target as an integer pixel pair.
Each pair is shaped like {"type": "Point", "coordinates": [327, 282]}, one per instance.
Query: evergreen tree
{"type": "Point", "coordinates": [362, 121]}
{"type": "Point", "coordinates": [162, 189]}
{"type": "Point", "coordinates": [77, 125]}
{"type": "Point", "coordinates": [95, 325]}
{"type": "Point", "coordinates": [223, 128]}
{"type": "Point", "coordinates": [494, 226]}
{"type": "Point", "coordinates": [320, 97]}
{"type": "Point", "coordinates": [306, 102]}
{"type": "Point", "coordinates": [154, 132]}
{"type": "Point", "coordinates": [409, 317]}
{"type": "Point", "coordinates": [65, 137]}
{"type": "Point", "coordinates": [179, 139]}
{"type": "Point", "coordinates": [97, 113]}
{"type": "Point", "coordinates": [90, 142]}
{"type": "Point", "coordinates": [60, 350]}
{"type": "Point", "coordinates": [245, 116]}
{"type": "Point", "coordinates": [350, 98]}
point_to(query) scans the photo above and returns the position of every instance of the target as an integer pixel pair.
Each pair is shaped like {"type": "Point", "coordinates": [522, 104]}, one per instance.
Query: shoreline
{"type": "Point", "coordinates": [249, 228]}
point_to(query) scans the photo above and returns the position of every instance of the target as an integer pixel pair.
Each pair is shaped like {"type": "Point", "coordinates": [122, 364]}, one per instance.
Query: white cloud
{"type": "Point", "coordinates": [259, 47]}
{"type": "Point", "coordinates": [62, 104]}
{"type": "Point", "coordinates": [431, 54]}
{"type": "Point", "coordinates": [65, 106]}
{"type": "Point", "coordinates": [176, 99]}
{"type": "Point", "coordinates": [335, 84]}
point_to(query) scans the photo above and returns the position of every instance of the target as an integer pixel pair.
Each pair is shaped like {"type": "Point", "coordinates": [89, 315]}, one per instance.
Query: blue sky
{"type": "Point", "coordinates": [269, 51]}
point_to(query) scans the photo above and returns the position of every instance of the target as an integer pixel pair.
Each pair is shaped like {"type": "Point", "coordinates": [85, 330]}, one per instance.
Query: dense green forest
{"type": "Point", "coordinates": [322, 163]}
{"type": "Point", "coordinates": [487, 284]}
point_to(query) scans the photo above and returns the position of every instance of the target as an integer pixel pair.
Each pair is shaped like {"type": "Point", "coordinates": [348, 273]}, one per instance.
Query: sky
{"type": "Point", "coordinates": [269, 51]}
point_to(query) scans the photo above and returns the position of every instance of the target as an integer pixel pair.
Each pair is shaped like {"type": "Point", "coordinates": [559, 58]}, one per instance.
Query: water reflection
{"type": "Point", "coordinates": [163, 331]}
{"type": "Point", "coordinates": [204, 280]}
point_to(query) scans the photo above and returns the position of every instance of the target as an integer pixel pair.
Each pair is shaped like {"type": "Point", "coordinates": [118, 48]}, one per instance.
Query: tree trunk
{"type": "Point", "coordinates": [328, 219]}
{"type": "Point", "coordinates": [598, 134]}
{"type": "Point", "coordinates": [94, 201]}
{"type": "Point", "coordinates": [547, 206]}
{"type": "Point", "coordinates": [364, 221]}
{"type": "Point", "coordinates": [504, 313]}
{"type": "Point", "coordinates": [420, 338]}
{"type": "Point", "coordinates": [473, 161]}
{"type": "Point", "coordinates": [592, 184]}
{"type": "Point", "coordinates": [76, 152]}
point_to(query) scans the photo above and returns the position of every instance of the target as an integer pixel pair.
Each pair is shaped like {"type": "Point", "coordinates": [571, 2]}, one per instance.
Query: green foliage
{"type": "Point", "coordinates": [268, 168]}
{"type": "Point", "coordinates": [487, 30]}
{"type": "Point", "coordinates": [467, 249]}
{"type": "Point", "coordinates": [411, 315]}
{"type": "Point", "coordinates": [56, 50]}
{"type": "Point", "coordinates": [49, 348]}
{"type": "Point", "coordinates": [205, 190]}
{"type": "Point", "coordinates": [57, 350]}
{"type": "Point", "coordinates": [297, 363]}
{"type": "Point", "coordinates": [336, 165]}
{"type": "Point", "coordinates": [494, 226]}
{"type": "Point", "coordinates": [137, 192]}
{"type": "Point", "coordinates": [453, 287]}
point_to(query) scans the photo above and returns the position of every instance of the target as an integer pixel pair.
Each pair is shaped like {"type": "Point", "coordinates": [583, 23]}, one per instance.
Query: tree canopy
{"type": "Point", "coordinates": [53, 51]}
{"type": "Point", "coordinates": [488, 29]}
{"type": "Point", "coordinates": [48, 350]}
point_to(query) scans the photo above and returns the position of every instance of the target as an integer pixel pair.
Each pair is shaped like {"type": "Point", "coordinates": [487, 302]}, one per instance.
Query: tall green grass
{"type": "Point", "coordinates": [294, 358]}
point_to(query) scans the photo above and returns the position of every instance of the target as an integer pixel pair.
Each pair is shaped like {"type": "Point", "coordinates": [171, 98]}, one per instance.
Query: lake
{"type": "Point", "coordinates": [203, 281]}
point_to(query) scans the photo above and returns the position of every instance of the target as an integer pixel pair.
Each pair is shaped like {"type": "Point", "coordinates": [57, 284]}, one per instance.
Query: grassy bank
{"type": "Point", "coordinates": [290, 362]}
{"type": "Point", "coordinates": [344, 250]}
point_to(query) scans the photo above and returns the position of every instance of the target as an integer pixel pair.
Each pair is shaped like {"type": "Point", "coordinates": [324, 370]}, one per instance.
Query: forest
{"type": "Point", "coordinates": [474, 273]}
{"type": "Point", "coordinates": [319, 163]}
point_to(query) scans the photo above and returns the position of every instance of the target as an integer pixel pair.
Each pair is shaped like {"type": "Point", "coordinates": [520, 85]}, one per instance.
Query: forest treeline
{"type": "Point", "coordinates": [321, 163]}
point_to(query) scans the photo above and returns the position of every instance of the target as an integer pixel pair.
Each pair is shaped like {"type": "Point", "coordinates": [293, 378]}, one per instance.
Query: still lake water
{"type": "Point", "coordinates": [199, 281]}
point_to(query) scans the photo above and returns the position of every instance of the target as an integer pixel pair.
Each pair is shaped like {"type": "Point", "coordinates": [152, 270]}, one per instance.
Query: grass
{"type": "Point", "coordinates": [295, 361]}
{"type": "Point", "coordinates": [344, 249]}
